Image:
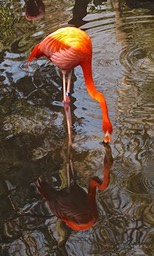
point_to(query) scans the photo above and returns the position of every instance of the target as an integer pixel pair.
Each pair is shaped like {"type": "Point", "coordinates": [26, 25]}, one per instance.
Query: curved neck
{"type": "Point", "coordinates": [93, 92]}
{"type": "Point", "coordinates": [95, 181]}
{"type": "Point", "coordinates": [92, 192]}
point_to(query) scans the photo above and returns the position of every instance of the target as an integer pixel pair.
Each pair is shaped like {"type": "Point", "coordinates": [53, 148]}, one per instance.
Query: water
{"type": "Point", "coordinates": [33, 131]}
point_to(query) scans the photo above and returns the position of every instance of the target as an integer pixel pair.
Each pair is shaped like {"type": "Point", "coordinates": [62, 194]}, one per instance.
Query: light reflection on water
{"type": "Point", "coordinates": [34, 136]}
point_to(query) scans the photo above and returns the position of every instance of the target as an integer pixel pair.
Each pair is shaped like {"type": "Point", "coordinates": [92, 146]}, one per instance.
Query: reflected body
{"type": "Point", "coordinates": [73, 205]}
{"type": "Point", "coordinates": [67, 48]}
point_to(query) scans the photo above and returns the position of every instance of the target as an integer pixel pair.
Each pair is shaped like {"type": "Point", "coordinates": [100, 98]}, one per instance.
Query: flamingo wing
{"type": "Point", "coordinates": [66, 48]}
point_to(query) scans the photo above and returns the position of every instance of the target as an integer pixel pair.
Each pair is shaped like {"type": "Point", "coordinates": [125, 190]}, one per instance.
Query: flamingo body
{"type": "Point", "coordinates": [67, 48]}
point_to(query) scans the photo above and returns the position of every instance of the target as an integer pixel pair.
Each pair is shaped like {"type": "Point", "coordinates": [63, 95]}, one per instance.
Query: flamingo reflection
{"type": "Point", "coordinates": [35, 9]}
{"type": "Point", "coordinates": [73, 205]}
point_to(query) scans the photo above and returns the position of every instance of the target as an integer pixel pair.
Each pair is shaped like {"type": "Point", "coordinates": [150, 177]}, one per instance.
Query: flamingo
{"type": "Point", "coordinates": [35, 9]}
{"type": "Point", "coordinates": [67, 48]}
{"type": "Point", "coordinates": [72, 204]}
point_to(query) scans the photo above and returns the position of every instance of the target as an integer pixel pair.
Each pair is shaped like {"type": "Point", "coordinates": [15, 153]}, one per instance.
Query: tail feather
{"type": "Point", "coordinates": [35, 53]}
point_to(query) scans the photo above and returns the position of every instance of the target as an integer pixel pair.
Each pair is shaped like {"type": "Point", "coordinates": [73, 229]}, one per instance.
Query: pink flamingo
{"type": "Point", "coordinates": [67, 48]}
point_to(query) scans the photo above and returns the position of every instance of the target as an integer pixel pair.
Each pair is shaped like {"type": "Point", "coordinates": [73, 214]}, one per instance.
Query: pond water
{"type": "Point", "coordinates": [33, 130]}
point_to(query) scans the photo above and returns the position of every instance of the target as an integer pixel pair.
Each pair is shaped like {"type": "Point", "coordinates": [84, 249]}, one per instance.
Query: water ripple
{"type": "Point", "coordinates": [136, 59]}
{"type": "Point", "coordinates": [138, 184]}
{"type": "Point", "coordinates": [33, 138]}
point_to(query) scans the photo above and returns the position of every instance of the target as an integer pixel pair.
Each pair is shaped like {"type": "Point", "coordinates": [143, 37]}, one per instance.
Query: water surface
{"type": "Point", "coordinates": [33, 131]}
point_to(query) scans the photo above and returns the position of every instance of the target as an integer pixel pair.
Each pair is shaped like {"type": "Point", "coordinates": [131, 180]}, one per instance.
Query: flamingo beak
{"type": "Point", "coordinates": [107, 137]}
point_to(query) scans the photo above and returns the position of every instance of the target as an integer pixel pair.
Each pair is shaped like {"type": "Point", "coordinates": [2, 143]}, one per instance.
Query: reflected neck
{"type": "Point", "coordinates": [93, 184]}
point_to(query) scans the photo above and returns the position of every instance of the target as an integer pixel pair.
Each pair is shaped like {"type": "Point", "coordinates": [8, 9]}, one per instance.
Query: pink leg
{"type": "Point", "coordinates": [68, 119]}
{"type": "Point", "coordinates": [64, 85]}
{"type": "Point", "coordinates": [66, 99]}
{"type": "Point", "coordinates": [67, 107]}
{"type": "Point", "coordinates": [69, 82]}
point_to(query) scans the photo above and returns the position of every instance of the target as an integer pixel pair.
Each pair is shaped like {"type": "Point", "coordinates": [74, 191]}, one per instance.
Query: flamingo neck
{"type": "Point", "coordinates": [96, 183]}
{"type": "Point", "coordinates": [93, 184]}
{"type": "Point", "coordinates": [95, 94]}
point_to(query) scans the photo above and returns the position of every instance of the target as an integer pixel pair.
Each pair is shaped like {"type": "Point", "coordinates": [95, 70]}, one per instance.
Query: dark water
{"type": "Point", "coordinates": [33, 131]}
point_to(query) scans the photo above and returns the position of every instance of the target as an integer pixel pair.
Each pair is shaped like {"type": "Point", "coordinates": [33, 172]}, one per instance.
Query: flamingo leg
{"type": "Point", "coordinates": [69, 82]}
{"type": "Point", "coordinates": [66, 100]}
{"type": "Point", "coordinates": [64, 85]}
{"type": "Point", "coordinates": [66, 92]}
{"type": "Point", "coordinates": [67, 107]}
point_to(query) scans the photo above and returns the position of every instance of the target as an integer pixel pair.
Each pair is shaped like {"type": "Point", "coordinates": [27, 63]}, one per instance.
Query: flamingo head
{"type": "Point", "coordinates": [107, 128]}
{"type": "Point", "coordinates": [107, 137]}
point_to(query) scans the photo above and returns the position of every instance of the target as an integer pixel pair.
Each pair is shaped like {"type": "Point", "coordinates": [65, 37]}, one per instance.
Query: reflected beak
{"type": "Point", "coordinates": [107, 137]}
